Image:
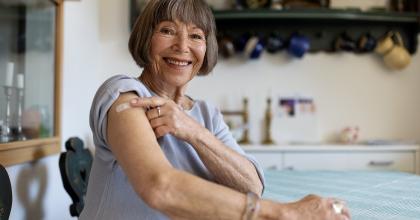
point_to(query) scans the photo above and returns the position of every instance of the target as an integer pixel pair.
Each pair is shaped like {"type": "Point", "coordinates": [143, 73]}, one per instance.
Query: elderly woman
{"type": "Point", "coordinates": [161, 154]}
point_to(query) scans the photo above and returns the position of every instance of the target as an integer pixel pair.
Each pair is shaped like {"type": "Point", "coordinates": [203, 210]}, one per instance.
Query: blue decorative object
{"type": "Point", "coordinates": [298, 45]}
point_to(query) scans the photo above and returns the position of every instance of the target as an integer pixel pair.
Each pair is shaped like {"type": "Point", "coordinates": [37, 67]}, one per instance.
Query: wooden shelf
{"type": "Point", "coordinates": [25, 151]}
{"type": "Point", "coordinates": [318, 14]}
{"type": "Point", "coordinates": [321, 26]}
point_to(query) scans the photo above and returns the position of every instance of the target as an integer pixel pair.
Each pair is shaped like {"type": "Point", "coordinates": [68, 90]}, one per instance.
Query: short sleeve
{"type": "Point", "coordinates": [106, 95]}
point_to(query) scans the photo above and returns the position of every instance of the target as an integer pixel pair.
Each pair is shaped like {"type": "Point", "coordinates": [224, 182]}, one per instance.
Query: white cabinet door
{"type": "Point", "coordinates": [397, 161]}
{"type": "Point", "coordinates": [273, 161]}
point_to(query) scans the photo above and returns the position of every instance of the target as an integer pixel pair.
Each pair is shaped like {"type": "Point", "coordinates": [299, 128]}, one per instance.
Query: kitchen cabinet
{"type": "Point", "coordinates": [30, 77]}
{"type": "Point", "coordinates": [405, 158]}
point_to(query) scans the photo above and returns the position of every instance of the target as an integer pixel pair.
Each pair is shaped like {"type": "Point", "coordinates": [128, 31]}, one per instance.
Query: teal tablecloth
{"type": "Point", "coordinates": [369, 195]}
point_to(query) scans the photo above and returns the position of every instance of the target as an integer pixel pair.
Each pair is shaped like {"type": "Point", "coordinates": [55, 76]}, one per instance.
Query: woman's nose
{"type": "Point", "coordinates": [181, 43]}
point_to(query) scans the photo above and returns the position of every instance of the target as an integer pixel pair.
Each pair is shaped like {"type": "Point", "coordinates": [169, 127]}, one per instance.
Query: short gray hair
{"type": "Point", "coordinates": [196, 12]}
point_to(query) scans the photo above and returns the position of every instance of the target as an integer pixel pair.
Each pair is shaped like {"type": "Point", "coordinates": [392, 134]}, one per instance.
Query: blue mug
{"type": "Point", "coordinates": [254, 48]}
{"type": "Point", "coordinates": [298, 45]}
{"type": "Point", "coordinates": [240, 42]}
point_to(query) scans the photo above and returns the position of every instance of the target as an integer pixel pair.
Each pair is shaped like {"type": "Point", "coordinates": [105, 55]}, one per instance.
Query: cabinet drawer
{"type": "Point", "coordinates": [272, 161]}
{"type": "Point", "coordinates": [396, 161]}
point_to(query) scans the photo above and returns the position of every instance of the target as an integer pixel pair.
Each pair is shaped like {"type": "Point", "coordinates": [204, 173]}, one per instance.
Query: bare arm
{"type": "Point", "coordinates": [178, 194]}
{"type": "Point", "coordinates": [227, 166]}
{"type": "Point", "coordinates": [175, 193]}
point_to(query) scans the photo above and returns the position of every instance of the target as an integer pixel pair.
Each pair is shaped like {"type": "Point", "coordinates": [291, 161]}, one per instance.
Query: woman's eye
{"type": "Point", "coordinates": [197, 37]}
{"type": "Point", "coordinates": [167, 31]}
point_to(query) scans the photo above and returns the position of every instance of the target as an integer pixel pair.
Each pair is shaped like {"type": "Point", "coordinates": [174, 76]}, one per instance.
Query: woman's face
{"type": "Point", "coordinates": [177, 51]}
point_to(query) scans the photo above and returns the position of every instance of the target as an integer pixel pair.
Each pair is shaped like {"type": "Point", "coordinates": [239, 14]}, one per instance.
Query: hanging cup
{"type": "Point", "coordinates": [298, 45]}
{"type": "Point", "coordinates": [367, 43]}
{"type": "Point", "coordinates": [344, 43]}
{"type": "Point", "coordinates": [226, 46]}
{"type": "Point", "coordinates": [394, 53]}
{"type": "Point", "coordinates": [385, 44]}
{"type": "Point", "coordinates": [254, 48]}
{"type": "Point", "coordinates": [274, 43]}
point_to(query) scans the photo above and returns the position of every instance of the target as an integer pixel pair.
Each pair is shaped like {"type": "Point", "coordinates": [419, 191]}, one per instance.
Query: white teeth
{"type": "Point", "coordinates": [179, 63]}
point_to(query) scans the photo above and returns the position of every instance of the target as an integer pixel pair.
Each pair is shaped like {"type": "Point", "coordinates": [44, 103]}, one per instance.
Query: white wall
{"type": "Point", "coordinates": [348, 89]}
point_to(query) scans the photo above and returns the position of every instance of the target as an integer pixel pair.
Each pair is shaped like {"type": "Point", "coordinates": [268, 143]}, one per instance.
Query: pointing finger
{"type": "Point", "coordinates": [147, 102]}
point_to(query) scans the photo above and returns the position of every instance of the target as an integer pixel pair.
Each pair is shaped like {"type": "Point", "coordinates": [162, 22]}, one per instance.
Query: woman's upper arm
{"type": "Point", "coordinates": [134, 145]}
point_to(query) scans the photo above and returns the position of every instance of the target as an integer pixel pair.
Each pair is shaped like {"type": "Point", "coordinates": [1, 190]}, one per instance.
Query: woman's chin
{"type": "Point", "coordinates": [178, 81]}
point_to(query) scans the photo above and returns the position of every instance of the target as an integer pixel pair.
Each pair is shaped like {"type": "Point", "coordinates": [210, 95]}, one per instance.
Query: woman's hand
{"type": "Point", "coordinates": [313, 207]}
{"type": "Point", "coordinates": [165, 116]}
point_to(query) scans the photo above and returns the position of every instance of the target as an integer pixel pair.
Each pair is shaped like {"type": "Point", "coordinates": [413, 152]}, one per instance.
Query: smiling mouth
{"type": "Point", "coordinates": [176, 62]}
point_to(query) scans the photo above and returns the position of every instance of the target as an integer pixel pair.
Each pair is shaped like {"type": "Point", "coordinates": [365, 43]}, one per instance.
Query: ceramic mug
{"type": "Point", "coordinates": [226, 46]}
{"type": "Point", "coordinates": [394, 53]}
{"type": "Point", "coordinates": [344, 43]}
{"type": "Point", "coordinates": [367, 43]}
{"type": "Point", "coordinates": [385, 44]}
{"type": "Point", "coordinates": [254, 48]}
{"type": "Point", "coordinates": [240, 42]}
{"type": "Point", "coordinates": [298, 45]}
{"type": "Point", "coordinates": [274, 43]}
{"type": "Point", "coordinates": [398, 58]}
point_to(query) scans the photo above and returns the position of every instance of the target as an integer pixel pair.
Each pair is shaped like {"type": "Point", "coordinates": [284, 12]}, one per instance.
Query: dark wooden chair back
{"type": "Point", "coordinates": [5, 194]}
{"type": "Point", "coordinates": [75, 165]}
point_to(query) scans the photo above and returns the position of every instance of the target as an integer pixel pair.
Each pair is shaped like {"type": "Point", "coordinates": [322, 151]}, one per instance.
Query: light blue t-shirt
{"type": "Point", "coordinates": [110, 194]}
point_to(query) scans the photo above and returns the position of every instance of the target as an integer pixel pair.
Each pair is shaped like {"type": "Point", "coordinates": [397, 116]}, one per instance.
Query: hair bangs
{"type": "Point", "coordinates": [186, 11]}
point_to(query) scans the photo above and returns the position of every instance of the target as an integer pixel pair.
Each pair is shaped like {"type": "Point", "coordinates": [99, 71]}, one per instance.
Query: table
{"type": "Point", "coordinates": [370, 195]}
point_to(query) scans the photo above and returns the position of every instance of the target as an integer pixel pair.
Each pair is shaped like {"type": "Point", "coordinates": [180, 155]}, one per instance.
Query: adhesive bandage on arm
{"type": "Point", "coordinates": [123, 106]}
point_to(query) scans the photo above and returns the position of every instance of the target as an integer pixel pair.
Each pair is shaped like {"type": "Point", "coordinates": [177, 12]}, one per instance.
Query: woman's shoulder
{"type": "Point", "coordinates": [106, 95]}
{"type": "Point", "coordinates": [205, 103]}
{"type": "Point", "coordinates": [206, 108]}
{"type": "Point", "coordinates": [113, 87]}
{"type": "Point", "coordinates": [117, 84]}
{"type": "Point", "coordinates": [122, 82]}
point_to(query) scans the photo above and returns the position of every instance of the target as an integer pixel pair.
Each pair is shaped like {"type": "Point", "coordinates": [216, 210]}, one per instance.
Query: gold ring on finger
{"type": "Point", "coordinates": [158, 111]}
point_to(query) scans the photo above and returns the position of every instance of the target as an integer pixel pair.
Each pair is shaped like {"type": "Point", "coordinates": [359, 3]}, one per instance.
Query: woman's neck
{"type": "Point", "coordinates": [158, 86]}
{"type": "Point", "coordinates": [166, 91]}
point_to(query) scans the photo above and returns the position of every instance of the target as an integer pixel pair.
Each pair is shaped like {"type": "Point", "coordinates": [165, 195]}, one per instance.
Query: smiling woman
{"type": "Point", "coordinates": [158, 11]}
{"type": "Point", "coordinates": [177, 54]}
{"type": "Point", "coordinates": [169, 156]}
